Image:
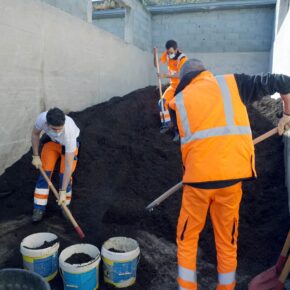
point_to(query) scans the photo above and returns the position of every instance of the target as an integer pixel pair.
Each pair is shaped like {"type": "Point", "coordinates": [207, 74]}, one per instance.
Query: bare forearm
{"type": "Point", "coordinates": [67, 171]}
{"type": "Point", "coordinates": [286, 103]}
{"type": "Point", "coordinates": [35, 143]}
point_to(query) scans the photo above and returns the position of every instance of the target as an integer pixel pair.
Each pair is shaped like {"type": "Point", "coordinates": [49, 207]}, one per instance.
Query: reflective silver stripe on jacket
{"type": "Point", "coordinates": [229, 129]}
{"type": "Point", "coordinates": [181, 56]}
{"type": "Point", "coordinates": [178, 59]}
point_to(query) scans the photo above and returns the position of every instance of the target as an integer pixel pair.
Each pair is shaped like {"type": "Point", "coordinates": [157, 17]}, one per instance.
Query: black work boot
{"type": "Point", "coordinates": [37, 215]}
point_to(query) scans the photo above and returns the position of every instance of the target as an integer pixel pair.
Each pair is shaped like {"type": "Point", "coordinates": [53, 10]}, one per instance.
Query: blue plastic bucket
{"type": "Point", "coordinates": [120, 256]}
{"type": "Point", "coordinates": [41, 261]}
{"type": "Point", "coordinates": [80, 276]}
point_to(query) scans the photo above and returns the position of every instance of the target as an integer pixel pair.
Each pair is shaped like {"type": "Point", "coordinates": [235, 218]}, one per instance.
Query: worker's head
{"type": "Point", "coordinates": [171, 48]}
{"type": "Point", "coordinates": [55, 119]}
{"type": "Point", "coordinates": [191, 65]}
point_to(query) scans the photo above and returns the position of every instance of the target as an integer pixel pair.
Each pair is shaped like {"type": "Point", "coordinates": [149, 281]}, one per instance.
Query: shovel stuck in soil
{"type": "Point", "coordinates": [274, 277]}
{"type": "Point", "coordinates": [173, 189]}
{"type": "Point", "coordinates": [64, 207]}
{"type": "Point", "coordinates": [156, 61]}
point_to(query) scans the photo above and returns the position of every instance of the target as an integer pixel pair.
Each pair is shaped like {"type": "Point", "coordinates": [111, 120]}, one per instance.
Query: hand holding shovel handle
{"type": "Point", "coordinates": [65, 208]}
{"type": "Point", "coordinates": [173, 189]}
{"type": "Point", "coordinates": [270, 279]}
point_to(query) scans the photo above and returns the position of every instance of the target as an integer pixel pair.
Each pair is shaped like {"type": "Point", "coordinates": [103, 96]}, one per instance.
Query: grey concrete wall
{"type": "Point", "coordinates": [50, 58]}
{"type": "Point", "coordinates": [138, 30]}
{"type": "Point", "coordinates": [78, 8]}
{"type": "Point", "coordinates": [281, 48]}
{"type": "Point", "coordinates": [112, 25]}
{"type": "Point", "coordinates": [132, 23]}
{"type": "Point", "coordinates": [229, 40]}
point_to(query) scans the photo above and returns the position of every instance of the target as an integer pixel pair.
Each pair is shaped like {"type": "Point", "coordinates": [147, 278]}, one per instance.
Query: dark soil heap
{"type": "Point", "coordinates": [124, 164]}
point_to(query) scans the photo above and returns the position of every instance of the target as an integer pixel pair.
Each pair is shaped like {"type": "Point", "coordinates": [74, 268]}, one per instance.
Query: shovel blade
{"type": "Point", "coordinates": [266, 280]}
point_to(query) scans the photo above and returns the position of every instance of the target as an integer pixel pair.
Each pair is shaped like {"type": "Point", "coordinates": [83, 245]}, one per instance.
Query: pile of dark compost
{"type": "Point", "coordinates": [124, 164]}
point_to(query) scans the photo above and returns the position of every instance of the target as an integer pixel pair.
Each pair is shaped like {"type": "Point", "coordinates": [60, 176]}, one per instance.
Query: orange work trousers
{"type": "Point", "coordinates": [224, 204]}
{"type": "Point", "coordinates": [50, 153]}
{"type": "Point", "coordinates": [168, 95]}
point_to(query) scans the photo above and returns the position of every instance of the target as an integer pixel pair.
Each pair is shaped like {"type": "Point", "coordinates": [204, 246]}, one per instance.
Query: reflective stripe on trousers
{"type": "Point", "coordinates": [186, 278]}
{"type": "Point", "coordinates": [51, 152]}
{"type": "Point", "coordinates": [229, 129]}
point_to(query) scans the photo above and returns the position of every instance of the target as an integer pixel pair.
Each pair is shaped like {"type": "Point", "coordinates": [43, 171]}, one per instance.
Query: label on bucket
{"type": "Point", "coordinates": [43, 266]}
{"type": "Point", "coordinates": [82, 281]}
{"type": "Point", "coordinates": [117, 272]}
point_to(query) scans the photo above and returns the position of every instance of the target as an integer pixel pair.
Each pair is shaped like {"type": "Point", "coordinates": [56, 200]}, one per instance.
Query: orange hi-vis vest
{"type": "Point", "coordinates": [173, 65]}
{"type": "Point", "coordinates": [215, 133]}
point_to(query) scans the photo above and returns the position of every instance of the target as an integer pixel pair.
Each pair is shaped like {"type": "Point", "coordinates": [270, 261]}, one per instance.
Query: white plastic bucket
{"type": "Point", "coordinates": [80, 276]}
{"type": "Point", "coordinates": [41, 261]}
{"type": "Point", "coordinates": [120, 269]}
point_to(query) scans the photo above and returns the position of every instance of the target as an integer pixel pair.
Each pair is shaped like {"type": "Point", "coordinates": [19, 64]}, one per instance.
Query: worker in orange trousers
{"type": "Point", "coordinates": [217, 155]}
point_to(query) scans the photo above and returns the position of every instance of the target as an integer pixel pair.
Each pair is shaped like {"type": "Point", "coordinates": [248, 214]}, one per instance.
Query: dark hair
{"type": "Point", "coordinates": [171, 43]}
{"type": "Point", "coordinates": [55, 117]}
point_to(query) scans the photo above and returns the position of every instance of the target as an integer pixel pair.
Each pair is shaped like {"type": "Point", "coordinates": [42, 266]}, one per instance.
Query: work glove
{"type": "Point", "coordinates": [36, 161]}
{"type": "Point", "coordinates": [62, 197]}
{"type": "Point", "coordinates": [284, 124]}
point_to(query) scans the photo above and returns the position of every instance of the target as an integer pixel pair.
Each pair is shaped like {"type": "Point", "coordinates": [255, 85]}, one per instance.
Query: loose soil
{"type": "Point", "coordinates": [124, 164]}
{"type": "Point", "coordinates": [79, 258]}
{"type": "Point", "coordinates": [116, 251]}
{"type": "Point", "coordinates": [45, 245]}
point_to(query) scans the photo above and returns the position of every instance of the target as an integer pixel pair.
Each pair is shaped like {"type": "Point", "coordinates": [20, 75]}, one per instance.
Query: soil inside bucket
{"type": "Point", "coordinates": [45, 245]}
{"type": "Point", "coordinates": [79, 258]}
{"type": "Point", "coordinates": [115, 250]}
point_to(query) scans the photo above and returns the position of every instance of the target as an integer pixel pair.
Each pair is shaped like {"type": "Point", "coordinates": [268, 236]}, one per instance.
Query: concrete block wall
{"type": "Point", "coordinates": [281, 48]}
{"type": "Point", "coordinates": [50, 58]}
{"type": "Point", "coordinates": [78, 8]}
{"type": "Point", "coordinates": [112, 25]}
{"type": "Point", "coordinates": [236, 40]}
{"type": "Point", "coordinates": [137, 24]}
{"type": "Point", "coordinates": [132, 23]}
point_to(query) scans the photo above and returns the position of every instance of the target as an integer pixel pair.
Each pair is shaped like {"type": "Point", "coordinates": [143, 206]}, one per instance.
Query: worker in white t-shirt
{"type": "Point", "coordinates": [60, 141]}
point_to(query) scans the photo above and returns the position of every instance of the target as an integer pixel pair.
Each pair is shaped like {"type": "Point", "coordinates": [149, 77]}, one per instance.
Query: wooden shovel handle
{"type": "Point", "coordinates": [65, 208]}
{"type": "Point", "coordinates": [155, 52]}
{"type": "Point", "coordinates": [283, 276]}
{"type": "Point", "coordinates": [265, 136]}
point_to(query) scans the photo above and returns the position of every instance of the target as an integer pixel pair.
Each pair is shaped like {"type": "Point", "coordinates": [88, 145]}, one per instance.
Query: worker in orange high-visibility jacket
{"type": "Point", "coordinates": [217, 155]}
{"type": "Point", "coordinates": [60, 141]}
{"type": "Point", "coordinates": [174, 58]}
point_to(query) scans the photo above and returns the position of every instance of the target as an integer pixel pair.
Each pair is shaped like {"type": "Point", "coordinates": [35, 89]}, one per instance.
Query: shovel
{"type": "Point", "coordinates": [64, 207]}
{"type": "Point", "coordinates": [173, 189]}
{"type": "Point", "coordinates": [284, 275]}
{"type": "Point", "coordinates": [270, 279]}
{"type": "Point", "coordinates": [156, 61]}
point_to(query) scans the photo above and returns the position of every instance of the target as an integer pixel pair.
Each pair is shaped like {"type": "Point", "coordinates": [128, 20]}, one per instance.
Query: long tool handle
{"type": "Point", "coordinates": [265, 136]}
{"type": "Point", "coordinates": [283, 276]}
{"type": "Point", "coordinates": [282, 258]}
{"type": "Point", "coordinates": [65, 208]}
{"type": "Point", "coordinates": [162, 197]}
{"type": "Point", "coordinates": [173, 189]}
{"type": "Point", "coordinates": [155, 52]}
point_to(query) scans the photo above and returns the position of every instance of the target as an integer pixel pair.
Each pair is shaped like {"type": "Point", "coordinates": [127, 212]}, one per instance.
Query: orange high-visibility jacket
{"type": "Point", "coordinates": [174, 65]}
{"type": "Point", "coordinates": [215, 133]}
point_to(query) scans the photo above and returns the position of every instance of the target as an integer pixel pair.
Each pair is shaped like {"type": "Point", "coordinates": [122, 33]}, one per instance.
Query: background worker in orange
{"type": "Point", "coordinates": [217, 155]}
{"type": "Point", "coordinates": [174, 59]}
{"type": "Point", "coordinates": [59, 141]}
